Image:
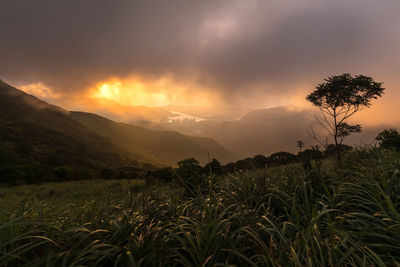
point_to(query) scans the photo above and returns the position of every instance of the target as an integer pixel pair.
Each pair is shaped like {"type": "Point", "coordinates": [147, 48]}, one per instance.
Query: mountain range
{"type": "Point", "coordinates": [33, 131]}
{"type": "Point", "coordinates": [165, 147]}
{"type": "Point", "coordinates": [263, 131]}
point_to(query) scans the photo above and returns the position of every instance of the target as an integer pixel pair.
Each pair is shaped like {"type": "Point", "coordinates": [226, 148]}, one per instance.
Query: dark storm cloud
{"type": "Point", "coordinates": [70, 43]}
{"type": "Point", "coordinates": [224, 45]}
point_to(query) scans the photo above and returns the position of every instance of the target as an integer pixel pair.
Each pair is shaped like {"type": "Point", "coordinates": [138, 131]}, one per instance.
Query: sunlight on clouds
{"type": "Point", "coordinates": [109, 91]}
{"type": "Point", "coordinates": [40, 90]}
{"type": "Point", "coordinates": [157, 92]}
{"type": "Point", "coordinates": [107, 96]}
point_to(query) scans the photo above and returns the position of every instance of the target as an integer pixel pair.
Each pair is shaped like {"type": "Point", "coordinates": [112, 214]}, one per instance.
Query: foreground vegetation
{"type": "Point", "coordinates": [279, 216]}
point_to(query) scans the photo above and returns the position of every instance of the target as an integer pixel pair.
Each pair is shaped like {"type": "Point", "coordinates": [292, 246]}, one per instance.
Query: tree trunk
{"type": "Point", "coordinates": [335, 137]}
{"type": "Point", "coordinates": [339, 154]}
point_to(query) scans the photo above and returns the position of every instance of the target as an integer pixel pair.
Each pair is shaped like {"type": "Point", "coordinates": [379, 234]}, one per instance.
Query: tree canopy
{"type": "Point", "coordinates": [346, 91]}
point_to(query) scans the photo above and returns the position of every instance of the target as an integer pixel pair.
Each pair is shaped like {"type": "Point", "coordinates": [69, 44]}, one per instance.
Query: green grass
{"type": "Point", "coordinates": [281, 216]}
{"type": "Point", "coordinates": [72, 190]}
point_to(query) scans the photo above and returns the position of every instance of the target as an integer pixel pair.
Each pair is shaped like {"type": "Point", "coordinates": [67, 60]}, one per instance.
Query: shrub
{"type": "Point", "coordinates": [106, 173]}
{"type": "Point", "coordinates": [12, 175]}
{"type": "Point", "coordinates": [389, 138]}
{"type": "Point", "coordinates": [189, 172]}
{"type": "Point", "coordinates": [164, 174]}
{"type": "Point", "coordinates": [63, 173]}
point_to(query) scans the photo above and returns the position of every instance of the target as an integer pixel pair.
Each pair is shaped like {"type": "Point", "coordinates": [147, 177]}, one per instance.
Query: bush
{"type": "Point", "coordinates": [106, 173]}
{"type": "Point", "coordinates": [83, 174]}
{"type": "Point", "coordinates": [63, 173]}
{"type": "Point", "coordinates": [164, 174]}
{"type": "Point", "coordinates": [189, 172]}
{"type": "Point", "coordinates": [389, 138]}
{"type": "Point", "coordinates": [128, 173]}
{"type": "Point", "coordinates": [12, 175]}
{"type": "Point", "coordinates": [213, 168]}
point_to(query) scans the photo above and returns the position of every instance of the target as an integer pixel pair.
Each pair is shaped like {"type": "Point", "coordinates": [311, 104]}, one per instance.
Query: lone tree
{"type": "Point", "coordinates": [340, 97]}
{"type": "Point", "coordinates": [300, 145]}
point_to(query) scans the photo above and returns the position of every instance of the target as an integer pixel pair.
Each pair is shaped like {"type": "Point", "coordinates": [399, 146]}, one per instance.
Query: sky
{"type": "Point", "coordinates": [249, 53]}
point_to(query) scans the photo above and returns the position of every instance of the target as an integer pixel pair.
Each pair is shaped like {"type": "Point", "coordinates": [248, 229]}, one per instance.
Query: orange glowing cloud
{"type": "Point", "coordinates": [117, 97]}
{"type": "Point", "coordinates": [40, 90]}
{"type": "Point", "coordinates": [158, 92]}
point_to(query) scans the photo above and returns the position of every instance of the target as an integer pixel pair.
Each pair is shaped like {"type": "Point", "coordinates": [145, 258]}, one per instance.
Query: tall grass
{"type": "Point", "coordinates": [284, 216]}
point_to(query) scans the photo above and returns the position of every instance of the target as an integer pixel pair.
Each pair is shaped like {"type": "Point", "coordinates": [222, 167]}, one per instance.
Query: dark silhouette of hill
{"type": "Point", "coordinates": [34, 132]}
{"type": "Point", "coordinates": [168, 147]}
{"type": "Point", "coordinates": [271, 130]}
{"type": "Point", "coordinates": [264, 131]}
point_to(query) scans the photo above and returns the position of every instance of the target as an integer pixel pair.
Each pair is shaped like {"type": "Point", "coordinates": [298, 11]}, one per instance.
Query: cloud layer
{"type": "Point", "coordinates": [251, 52]}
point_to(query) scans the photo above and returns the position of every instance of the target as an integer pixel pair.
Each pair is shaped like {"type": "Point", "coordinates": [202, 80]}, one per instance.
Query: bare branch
{"type": "Point", "coordinates": [348, 114]}
{"type": "Point", "coordinates": [341, 111]}
{"type": "Point", "coordinates": [311, 133]}
{"type": "Point", "coordinates": [329, 124]}
{"type": "Point", "coordinates": [318, 121]}
{"type": "Point", "coordinates": [325, 110]}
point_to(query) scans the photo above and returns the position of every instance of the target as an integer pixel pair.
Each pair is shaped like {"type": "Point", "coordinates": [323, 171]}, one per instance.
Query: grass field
{"type": "Point", "coordinates": [282, 216]}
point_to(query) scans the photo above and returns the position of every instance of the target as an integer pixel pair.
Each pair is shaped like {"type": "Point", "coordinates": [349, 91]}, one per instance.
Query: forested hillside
{"type": "Point", "coordinates": [166, 147]}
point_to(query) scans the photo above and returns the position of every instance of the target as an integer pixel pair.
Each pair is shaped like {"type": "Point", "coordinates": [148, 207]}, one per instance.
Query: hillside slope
{"type": "Point", "coordinates": [165, 146]}
{"type": "Point", "coordinates": [264, 131]}
{"type": "Point", "coordinates": [34, 132]}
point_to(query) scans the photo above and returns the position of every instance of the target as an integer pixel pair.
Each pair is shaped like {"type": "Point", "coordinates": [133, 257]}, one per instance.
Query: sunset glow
{"type": "Point", "coordinates": [40, 90]}
{"type": "Point", "coordinates": [153, 93]}
{"type": "Point", "coordinates": [130, 93]}
{"type": "Point", "coordinates": [200, 133]}
{"type": "Point", "coordinates": [230, 55]}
